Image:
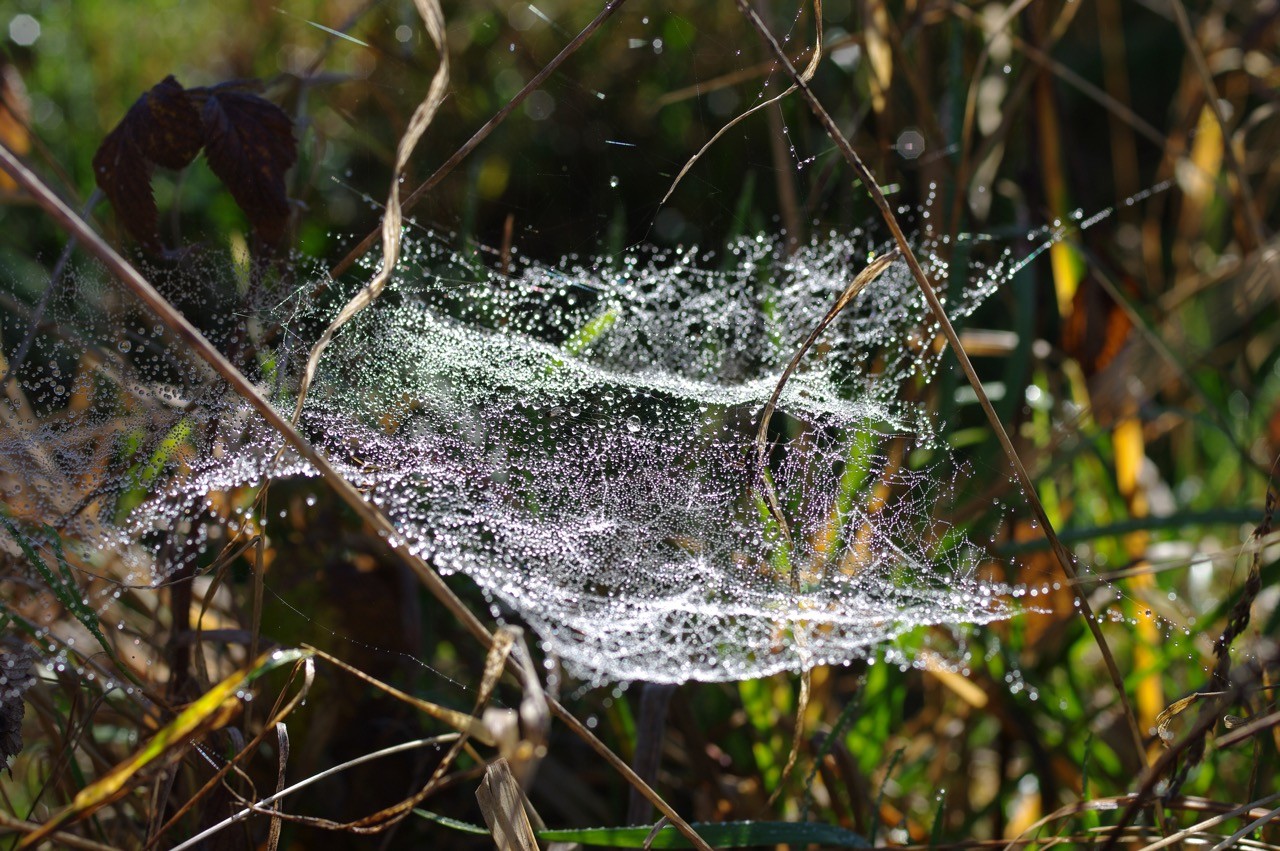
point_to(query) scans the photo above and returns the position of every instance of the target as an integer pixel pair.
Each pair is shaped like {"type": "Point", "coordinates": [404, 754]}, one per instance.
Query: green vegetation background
{"type": "Point", "coordinates": [901, 755]}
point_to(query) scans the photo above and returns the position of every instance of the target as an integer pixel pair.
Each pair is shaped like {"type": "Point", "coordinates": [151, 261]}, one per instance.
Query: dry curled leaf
{"type": "Point", "coordinates": [1173, 710]}
{"type": "Point", "coordinates": [247, 140]}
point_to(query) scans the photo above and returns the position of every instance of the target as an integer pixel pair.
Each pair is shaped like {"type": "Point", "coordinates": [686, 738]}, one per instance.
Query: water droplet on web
{"type": "Point", "coordinates": [578, 439]}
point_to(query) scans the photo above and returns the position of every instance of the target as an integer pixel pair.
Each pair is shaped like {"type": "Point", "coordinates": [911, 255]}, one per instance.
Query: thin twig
{"type": "Point", "coordinates": [314, 778]}
{"type": "Point", "coordinates": [935, 305]}
{"type": "Point", "coordinates": [1200, 827]}
{"type": "Point", "coordinates": [483, 133]}
{"type": "Point", "coordinates": [1230, 841]}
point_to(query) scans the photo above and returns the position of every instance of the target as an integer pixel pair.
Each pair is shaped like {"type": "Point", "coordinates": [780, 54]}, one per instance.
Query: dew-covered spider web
{"type": "Point", "coordinates": [577, 440]}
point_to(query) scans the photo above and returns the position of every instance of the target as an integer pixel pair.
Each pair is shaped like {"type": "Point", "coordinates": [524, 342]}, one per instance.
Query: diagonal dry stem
{"type": "Point", "coordinates": [1064, 558]}
{"type": "Point", "coordinates": [218, 363]}
{"type": "Point", "coordinates": [806, 74]}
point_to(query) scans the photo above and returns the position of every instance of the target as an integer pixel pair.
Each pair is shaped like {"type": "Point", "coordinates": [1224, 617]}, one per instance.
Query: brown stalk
{"type": "Point", "coordinates": [207, 352]}
{"type": "Point", "coordinates": [784, 179]}
{"type": "Point", "coordinates": [935, 305]}
{"type": "Point", "coordinates": [506, 809]}
{"type": "Point", "coordinates": [1115, 76]}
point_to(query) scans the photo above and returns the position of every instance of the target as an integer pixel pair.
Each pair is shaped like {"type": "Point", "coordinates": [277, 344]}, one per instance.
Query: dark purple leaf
{"type": "Point", "coordinates": [248, 142]}
{"type": "Point", "coordinates": [249, 145]}
{"type": "Point", "coordinates": [161, 128]}
{"type": "Point", "coordinates": [125, 177]}
{"type": "Point", "coordinates": [168, 127]}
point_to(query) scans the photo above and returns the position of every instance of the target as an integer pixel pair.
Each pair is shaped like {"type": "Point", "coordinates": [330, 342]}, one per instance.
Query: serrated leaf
{"type": "Point", "coordinates": [125, 178]}
{"type": "Point", "coordinates": [248, 142]}
{"type": "Point", "coordinates": [161, 128]}
{"type": "Point", "coordinates": [166, 125]}
{"type": "Point", "coordinates": [249, 145]}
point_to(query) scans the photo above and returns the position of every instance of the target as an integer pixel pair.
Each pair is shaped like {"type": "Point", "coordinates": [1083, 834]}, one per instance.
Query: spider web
{"type": "Point", "coordinates": [577, 440]}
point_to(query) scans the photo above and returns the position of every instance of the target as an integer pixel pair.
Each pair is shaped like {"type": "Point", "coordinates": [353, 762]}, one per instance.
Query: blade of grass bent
{"type": "Point", "coordinates": [209, 709]}
{"type": "Point", "coordinates": [807, 73]}
{"type": "Point", "coordinates": [392, 220]}
{"type": "Point", "coordinates": [935, 305]}
{"type": "Point", "coordinates": [866, 276]}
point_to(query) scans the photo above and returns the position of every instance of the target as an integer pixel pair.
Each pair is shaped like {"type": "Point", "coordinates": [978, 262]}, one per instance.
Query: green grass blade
{"type": "Point", "coordinates": [738, 834]}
